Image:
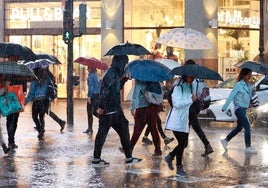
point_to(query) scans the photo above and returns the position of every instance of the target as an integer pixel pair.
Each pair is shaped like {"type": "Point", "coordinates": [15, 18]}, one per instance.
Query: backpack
{"type": "Point", "coordinates": [52, 89]}
{"type": "Point", "coordinates": [203, 94]}
{"type": "Point", "coordinates": [169, 93]}
{"type": "Point", "coordinates": [153, 93]}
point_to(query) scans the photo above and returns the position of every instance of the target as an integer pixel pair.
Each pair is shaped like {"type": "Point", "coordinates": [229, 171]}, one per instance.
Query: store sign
{"type": "Point", "coordinates": [42, 14]}
{"type": "Point", "coordinates": [235, 18]}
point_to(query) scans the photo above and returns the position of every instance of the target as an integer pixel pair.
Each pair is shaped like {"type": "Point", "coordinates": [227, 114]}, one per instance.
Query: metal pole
{"type": "Point", "coordinates": [70, 111]}
{"type": "Point", "coordinates": [261, 34]}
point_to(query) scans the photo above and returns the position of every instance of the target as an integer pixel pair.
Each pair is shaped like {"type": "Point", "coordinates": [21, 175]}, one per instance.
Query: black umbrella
{"type": "Point", "coordinates": [16, 71]}
{"type": "Point", "coordinates": [128, 49]}
{"type": "Point", "coordinates": [148, 70]}
{"type": "Point", "coordinates": [48, 56]}
{"type": "Point", "coordinates": [254, 66]}
{"type": "Point", "coordinates": [8, 50]}
{"type": "Point", "coordinates": [196, 71]}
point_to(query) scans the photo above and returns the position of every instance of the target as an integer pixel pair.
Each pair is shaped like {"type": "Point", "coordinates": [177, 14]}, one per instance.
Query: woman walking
{"type": "Point", "coordinates": [240, 95]}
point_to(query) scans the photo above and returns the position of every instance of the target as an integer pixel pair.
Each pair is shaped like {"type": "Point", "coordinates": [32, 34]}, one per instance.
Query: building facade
{"type": "Point", "coordinates": [231, 25]}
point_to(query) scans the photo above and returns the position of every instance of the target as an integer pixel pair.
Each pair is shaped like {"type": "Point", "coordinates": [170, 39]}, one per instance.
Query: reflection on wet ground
{"type": "Point", "coordinates": [64, 159]}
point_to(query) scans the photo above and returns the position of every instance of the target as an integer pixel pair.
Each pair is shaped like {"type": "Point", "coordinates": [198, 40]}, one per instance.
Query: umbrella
{"type": "Point", "coordinates": [92, 62]}
{"type": "Point", "coordinates": [185, 38]}
{"type": "Point", "coordinates": [21, 52]}
{"type": "Point", "coordinates": [147, 70]}
{"type": "Point", "coordinates": [16, 71]}
{"type": "Point", "coordinates": [39, 63]}
{"type": "Point", "coordinates": [47, 56]}
{"type": "Point", "coordinates": [254, 66]}
{"type": "Point", "coordinates": [169, 63]}
{"type": "Point", "coordinates": [196, 71]}
{"type": "Point", "coordinates": [128, 49]}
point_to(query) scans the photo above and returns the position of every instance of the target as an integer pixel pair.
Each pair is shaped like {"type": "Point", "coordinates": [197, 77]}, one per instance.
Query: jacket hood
{"type": "Point", "coordinates": [118, 63]}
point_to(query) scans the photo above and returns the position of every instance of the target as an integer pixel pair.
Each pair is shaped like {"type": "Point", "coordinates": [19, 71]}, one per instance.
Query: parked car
{"type": "Point", "coordinates": [220, 93]}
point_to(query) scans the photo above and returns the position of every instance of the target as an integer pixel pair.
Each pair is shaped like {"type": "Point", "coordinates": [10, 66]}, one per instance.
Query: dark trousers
{"type": "Point", "coordinates": [193, 120]}
{"type": "Point", "coordinates": [11, 124]}
{"type": "Point", "coordinates": [143, 116]}
{"type": "Point", "coordinates": [119, 123]}
{"type": "Point", "coordinates": [177, 152]}
{"type": "Point", "coordinates": [55, 117]}
{"type": "Point", "coordinates": [91, 111]}
{"type": "Point", "coordinates": [39, 109]}
{"type": "Point", "coordinates": [159, 127]}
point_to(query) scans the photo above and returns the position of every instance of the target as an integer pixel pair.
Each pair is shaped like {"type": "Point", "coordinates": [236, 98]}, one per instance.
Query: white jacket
{"type": "Point", "coordinates": [178, 116]}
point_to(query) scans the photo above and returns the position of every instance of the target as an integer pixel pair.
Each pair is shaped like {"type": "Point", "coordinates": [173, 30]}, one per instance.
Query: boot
{"type": "Point", "coordinates": [5, 148]}
{"type": "Point", "coordinates": [180, 172]}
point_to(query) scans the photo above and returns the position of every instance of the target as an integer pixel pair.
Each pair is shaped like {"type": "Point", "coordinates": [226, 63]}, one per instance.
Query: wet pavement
{"type": "Point", "coordinates": [64, 159]}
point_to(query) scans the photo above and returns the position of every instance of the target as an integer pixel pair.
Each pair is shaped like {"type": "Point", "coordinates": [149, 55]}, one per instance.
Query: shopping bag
{"type": "Point", "coordinates": [18, 90]}
{"type": "Point", "coordinates": [9, 104]}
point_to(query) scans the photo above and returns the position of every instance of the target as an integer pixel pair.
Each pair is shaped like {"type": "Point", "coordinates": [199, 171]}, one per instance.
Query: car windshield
{"type": "Point", "coordinates": [230, 82]}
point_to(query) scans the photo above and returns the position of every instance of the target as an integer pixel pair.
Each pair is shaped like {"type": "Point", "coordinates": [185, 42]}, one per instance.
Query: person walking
{"type": "Point", "coordinates": [178, 121]}
{"type": "Point", "coordinates": [111, 113]}
{"type": "Point", "coordinates": [93, 84]}
{"type": "Point", "coordinates": [241, 96]}
{"type": "Point", "coordinates": [40, 105]}
{"type": "Point", "coordinates": [145, 113]}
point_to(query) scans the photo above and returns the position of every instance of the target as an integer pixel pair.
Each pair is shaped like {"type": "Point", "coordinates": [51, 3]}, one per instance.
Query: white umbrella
{"type": "Point", "coordinates": [185, 38]}
{"type": "Point", "coordinates": [169, 63]}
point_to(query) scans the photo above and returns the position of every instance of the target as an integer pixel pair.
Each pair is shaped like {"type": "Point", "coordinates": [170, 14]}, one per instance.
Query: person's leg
{"type": "Point", "coordinates": [35, 110]}
{"type": "Point", "coordinates": [57, 119]}
{"type": "Point", "coordinates": [238, 128]}
{"type": "Point", "coordinates": [242, 116]}
{"type": "Point", "coordinates": [89, 118]}
{"type": "Point", "coordinates": [11, 125]}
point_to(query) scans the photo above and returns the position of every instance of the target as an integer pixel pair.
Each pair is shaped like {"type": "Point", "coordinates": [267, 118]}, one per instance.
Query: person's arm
{"type": "Point", "coordinates": [31, 93]}
{"type": "Point", "coordinates": [231, 96]}
{"type": "Point", "coordinates": [135, 97]}
{"type": "Point", "coordinates": [178, 100]}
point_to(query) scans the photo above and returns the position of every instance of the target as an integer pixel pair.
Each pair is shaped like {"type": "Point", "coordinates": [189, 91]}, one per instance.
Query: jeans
{"type": "Point", "coordinates": [119, 123]}
{"type": "Point", "coordinates": [242, 121]}
{"type": "Point", "coordinates": [11, 124]}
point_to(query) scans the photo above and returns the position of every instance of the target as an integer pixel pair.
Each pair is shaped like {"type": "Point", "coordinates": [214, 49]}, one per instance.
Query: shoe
{"type": "Point", "coordinates": [12, 146]}
{"type": "Point", "coordinates": [250, 150]}
{"type": "Point", "coordinates": [180, 172]}
{"type": "Point", "coordinates": [41, 135]}
{"type": "Point", "coordinates": [5, 148]}
{"type": "Point", "coordinates": [168, 160]}
{"type": "Point", "coordinates": [62, 125]}
{"type": "Point", "coordinates": [133, 160]}
{"type": "Point", "coordinates": [224, 143]}
{"type": "Point", "coordinates": [167, 140]}
{"type": "Point", "coordinates": [208, 150]}
{"type": "Point", "coordinates": [157, 154]}
{"type": "Point", "coordinates": [88, 131]}
{"type": "Point", "coordinates": [146, 140]}
{"type": "Point", "coordinates": [100, 162]}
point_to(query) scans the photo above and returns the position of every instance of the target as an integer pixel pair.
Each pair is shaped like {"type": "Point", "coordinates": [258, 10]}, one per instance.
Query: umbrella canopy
{"type": "Point", "coordinates": [16, 71]}
{"type": "Point", "coordinates": [128, 49]}
{"type": "Point", "coordinates": [39, 63]}
{"type": "Point", "coordinates": [254, 66]}
{"type": "Point", "coordinates": [185, 38]}
{"type": "Point", "coordinates": [21, 52]}
{"type": "Point", "coordinates": [147, 70]}
{"type": "Point", "coordinates": [169, 63]}
{"type": "Point", "coordinates": [47, 56]}
{"type": "Point", "coordinates": [92, 62]}
{"type": "Point", "coordinates": [196, 71]}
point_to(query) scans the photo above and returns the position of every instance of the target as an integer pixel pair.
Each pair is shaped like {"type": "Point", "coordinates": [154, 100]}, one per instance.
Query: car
{"type": "Point", "coordinates": [220, 93]}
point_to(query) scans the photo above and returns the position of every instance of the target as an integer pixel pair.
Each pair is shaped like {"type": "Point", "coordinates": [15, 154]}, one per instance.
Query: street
{"type": "Point", "coordinates": [64, 159]}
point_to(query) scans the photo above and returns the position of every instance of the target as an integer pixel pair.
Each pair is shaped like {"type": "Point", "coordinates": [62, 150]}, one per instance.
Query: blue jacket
{"type": "Point", "coordinates": [138, 99]}
{"type": "Point", "coordinates": [37, 90]}
{"type": "Point", "coordinates": [93, 84]}
{"type": "Point", "coordinates": [240, 95]}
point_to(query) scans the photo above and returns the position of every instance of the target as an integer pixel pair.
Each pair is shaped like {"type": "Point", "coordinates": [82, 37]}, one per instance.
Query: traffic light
{"type": "Point", "coordinates": [67, 34]}
{"type": "Point", "coordinates": [82, 18]}
{"type": "Point", "coordinates": [76, 80]}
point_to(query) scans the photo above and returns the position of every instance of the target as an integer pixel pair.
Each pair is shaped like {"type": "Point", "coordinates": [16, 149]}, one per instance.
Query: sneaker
{"type": "Point", "coordinates": [5, 148]}
{"type": "Point", "coordinates": [88, 131]}
{"type": "Point", "coordinates": [146, 140]}
{"type": "Point", "coordinates": [224, 143]}
{"type": "Point", "coordinates": [62, 125]}
{"type": "Point", "coordinates": [167, 140]}
{"type": "Point", "coordinates": [41, 135]}
{"type": "Point", "coordinates": [208, 151]}
{"type": "Point", "coordinates": [133, 160]}
{"type": "Point", "coordinates": [250, 150]}
{"type": "Point", "coordinates": [157, 154]}
{"type": "Point", "coordinates": [12, 146]}
{"type": "Point", "coordinates": [100, 162]}
{"type": "Point", "coordinates": [180, 172]}
{"type": "Point", "coordinates": [168, 160]}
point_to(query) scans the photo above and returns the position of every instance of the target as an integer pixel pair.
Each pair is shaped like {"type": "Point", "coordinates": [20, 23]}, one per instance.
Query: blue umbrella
{"type": "Point", "coordinates": [196, 71]}
{"type": "Point", "coordinates": [147, 70]}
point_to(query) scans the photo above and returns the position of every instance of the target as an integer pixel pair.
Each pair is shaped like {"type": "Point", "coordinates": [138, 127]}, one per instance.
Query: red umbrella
{"type": "Point", "coordinates": [92, 62]}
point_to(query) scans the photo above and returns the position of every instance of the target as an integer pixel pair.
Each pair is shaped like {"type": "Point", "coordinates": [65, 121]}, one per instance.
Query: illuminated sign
{"type": "Point", "coordinates": [235, 18]}
{"type": "Point", "coordinates": [42, 14]}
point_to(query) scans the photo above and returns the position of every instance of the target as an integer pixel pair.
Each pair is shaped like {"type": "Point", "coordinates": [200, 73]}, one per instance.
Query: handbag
{"type": "Point", "coordinates": [9, 104]}
{"type": "Point", "coordinates": [18, 90]}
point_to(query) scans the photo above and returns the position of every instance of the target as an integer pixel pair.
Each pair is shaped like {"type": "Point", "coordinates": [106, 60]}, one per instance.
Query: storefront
{"type": "Point", "coordinates": [38, 25]}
